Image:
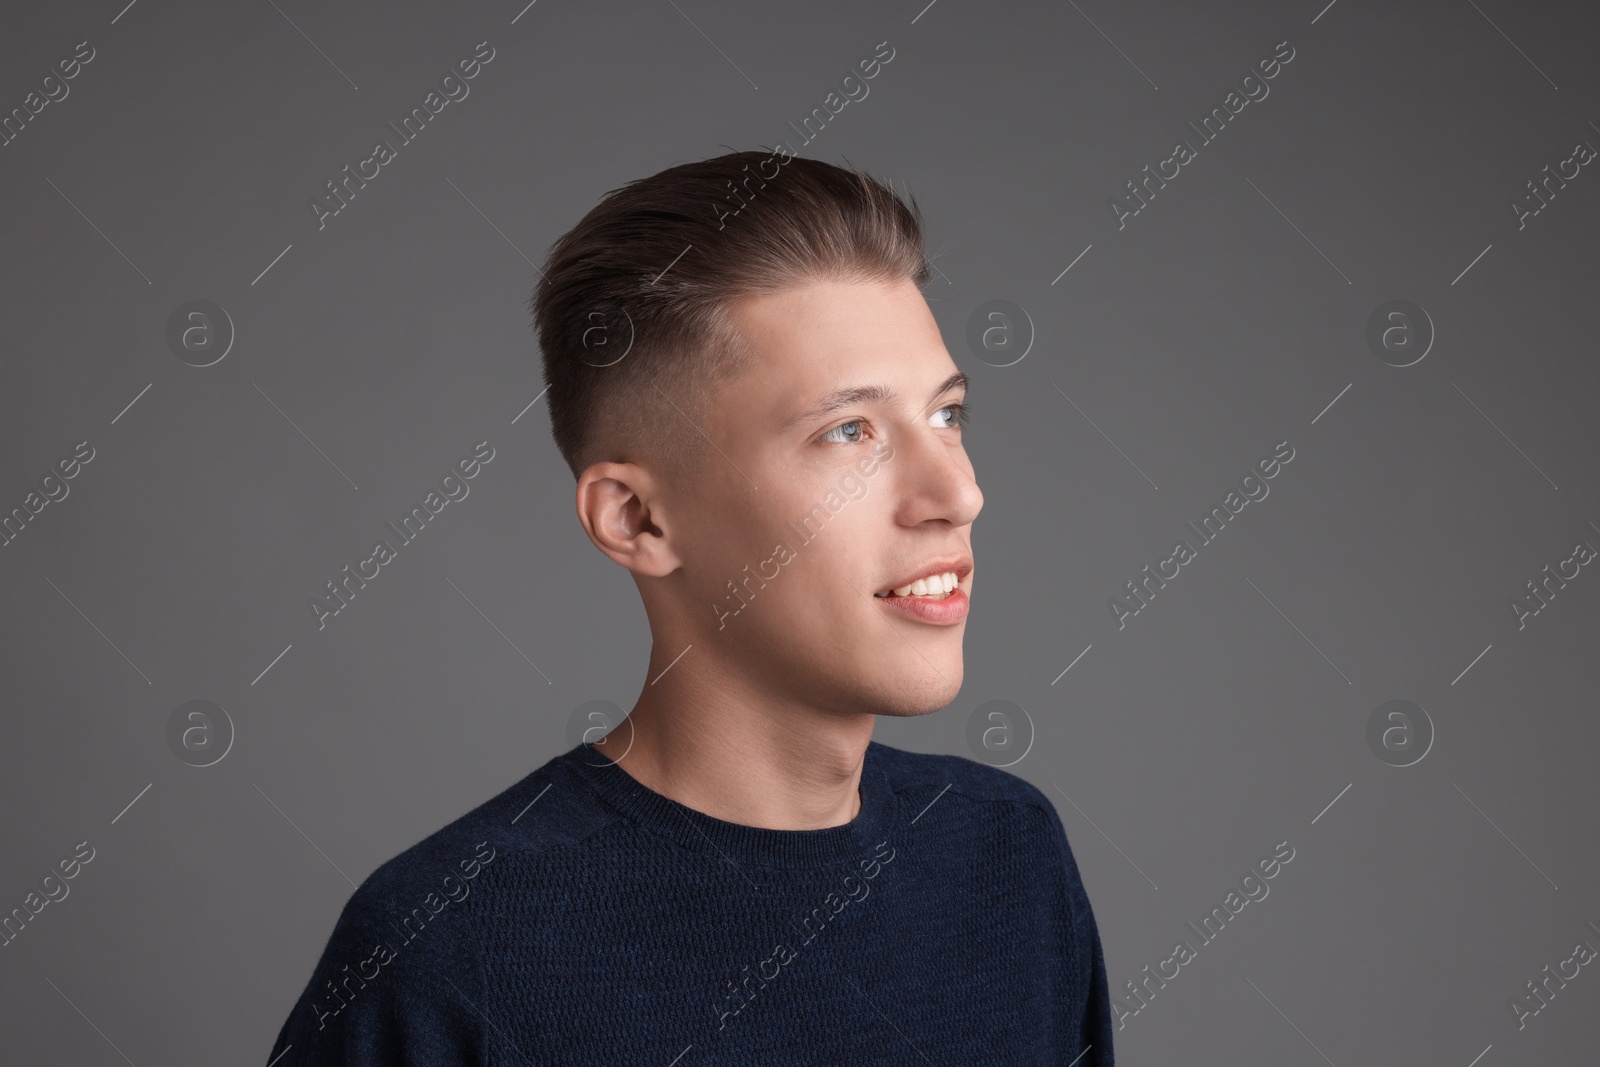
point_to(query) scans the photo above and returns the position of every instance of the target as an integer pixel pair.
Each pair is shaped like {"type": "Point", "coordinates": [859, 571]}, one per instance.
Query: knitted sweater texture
{"type": "Point", "coordinates": [579, 917]}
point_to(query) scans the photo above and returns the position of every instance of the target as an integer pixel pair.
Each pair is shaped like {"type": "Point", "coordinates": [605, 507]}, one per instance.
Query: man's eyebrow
{"type": "Point", "coordinates": [860, 394]}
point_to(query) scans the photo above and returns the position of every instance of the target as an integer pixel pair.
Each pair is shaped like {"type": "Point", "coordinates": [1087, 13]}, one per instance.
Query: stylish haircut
{"type": "Point", "coordinates": [632, 309]}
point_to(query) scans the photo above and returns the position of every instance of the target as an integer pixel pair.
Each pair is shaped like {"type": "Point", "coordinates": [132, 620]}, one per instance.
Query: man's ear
{"type": "Point", "coordinates": [619, 505]}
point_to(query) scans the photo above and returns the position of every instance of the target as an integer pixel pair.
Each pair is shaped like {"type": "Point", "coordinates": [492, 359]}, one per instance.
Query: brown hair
{"type": "Point", "coordinates": [631, 311]}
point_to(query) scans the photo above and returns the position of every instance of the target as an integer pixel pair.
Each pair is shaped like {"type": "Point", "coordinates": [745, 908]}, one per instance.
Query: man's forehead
{"type": "Point", "coordinates": [812, 341]}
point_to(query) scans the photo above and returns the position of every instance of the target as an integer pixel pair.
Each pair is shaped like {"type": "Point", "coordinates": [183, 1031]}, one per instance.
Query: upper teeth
{"type": "Point", "coordinates": [934, 584]}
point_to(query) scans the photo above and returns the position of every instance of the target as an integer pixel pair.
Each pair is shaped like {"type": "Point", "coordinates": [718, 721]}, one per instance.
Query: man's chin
{"type": "Point", "coordinates": [909, 712]}
{"type": "Point", "coordinates": [921, 695]}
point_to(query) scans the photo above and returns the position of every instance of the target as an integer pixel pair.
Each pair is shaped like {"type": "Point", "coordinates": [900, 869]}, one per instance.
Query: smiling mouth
{"type": "Point", "coordinates": [933, 587]}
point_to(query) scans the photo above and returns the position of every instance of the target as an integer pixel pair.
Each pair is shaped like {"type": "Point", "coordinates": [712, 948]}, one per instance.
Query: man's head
{"type": "Point", "coordinates": [765, 426]}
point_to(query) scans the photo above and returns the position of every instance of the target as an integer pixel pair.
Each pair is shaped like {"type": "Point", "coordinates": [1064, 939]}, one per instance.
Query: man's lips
{"type": "Point", "coordinates": [936, 606]}
{"type": "Point", "coordinates": [946, 612]}
{"type": "Point", "coordinates": [960, 566]}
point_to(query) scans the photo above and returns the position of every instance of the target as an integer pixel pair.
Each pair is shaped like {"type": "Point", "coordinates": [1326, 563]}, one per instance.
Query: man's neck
{"type": "Point", "coordinates": [713, 745]}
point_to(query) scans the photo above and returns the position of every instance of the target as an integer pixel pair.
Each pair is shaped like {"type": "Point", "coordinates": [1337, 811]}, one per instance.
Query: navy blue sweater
{"type": "Point", "coordinates": [582, 918]}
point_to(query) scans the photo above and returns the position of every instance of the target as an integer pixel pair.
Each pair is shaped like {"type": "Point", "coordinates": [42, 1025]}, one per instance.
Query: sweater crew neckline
{"type": "Point", "coordinates": [698, 832]}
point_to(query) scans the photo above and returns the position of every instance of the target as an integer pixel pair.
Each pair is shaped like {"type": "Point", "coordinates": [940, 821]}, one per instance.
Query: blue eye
{"type": "Point", "coordinates": [949, 417]}
{"type": "Point", "coordinates": [846, 440]}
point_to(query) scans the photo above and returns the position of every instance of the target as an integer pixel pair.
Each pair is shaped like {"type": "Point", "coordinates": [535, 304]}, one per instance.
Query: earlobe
{"type": "Point", "coordinates": [619, 508]}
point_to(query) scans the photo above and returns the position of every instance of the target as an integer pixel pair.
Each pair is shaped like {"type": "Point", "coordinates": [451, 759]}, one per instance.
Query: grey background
{"type": "Point", "coordinates": [1227, 316]}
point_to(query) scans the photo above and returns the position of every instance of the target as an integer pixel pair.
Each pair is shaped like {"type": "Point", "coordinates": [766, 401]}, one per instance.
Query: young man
{"type": "Point", "coordinates": [765, 427]}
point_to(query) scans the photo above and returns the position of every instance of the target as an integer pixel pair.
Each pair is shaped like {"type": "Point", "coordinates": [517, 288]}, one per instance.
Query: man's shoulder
{"type": "Point", "coordinates": [413, 922]}
{"type": "Point", "coordinates": [1035, 827]}
{"type": "Point", "coordinates": [545, 810]}
{"type": "Point", "coordinates": [914, 774]}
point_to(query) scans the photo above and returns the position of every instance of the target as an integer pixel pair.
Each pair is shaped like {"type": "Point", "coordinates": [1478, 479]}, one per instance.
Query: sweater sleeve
{"type": "Point", "coordinates": [1094, 1023]}
{"type": "Point", "coordinates": [1090, 1011]}
{"type": "Point", "coordinates": [397, 985]}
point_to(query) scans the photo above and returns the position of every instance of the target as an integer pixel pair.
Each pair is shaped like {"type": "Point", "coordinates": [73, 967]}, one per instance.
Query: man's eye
{"type": "Point", "coordinates": [847, 433]}
{"type": "Point", "coordinates": [959, 416]}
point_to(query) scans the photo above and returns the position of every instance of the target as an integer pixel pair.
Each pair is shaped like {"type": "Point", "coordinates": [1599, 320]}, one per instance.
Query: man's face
{"type": "Point", "coordinates": [838, 474]}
